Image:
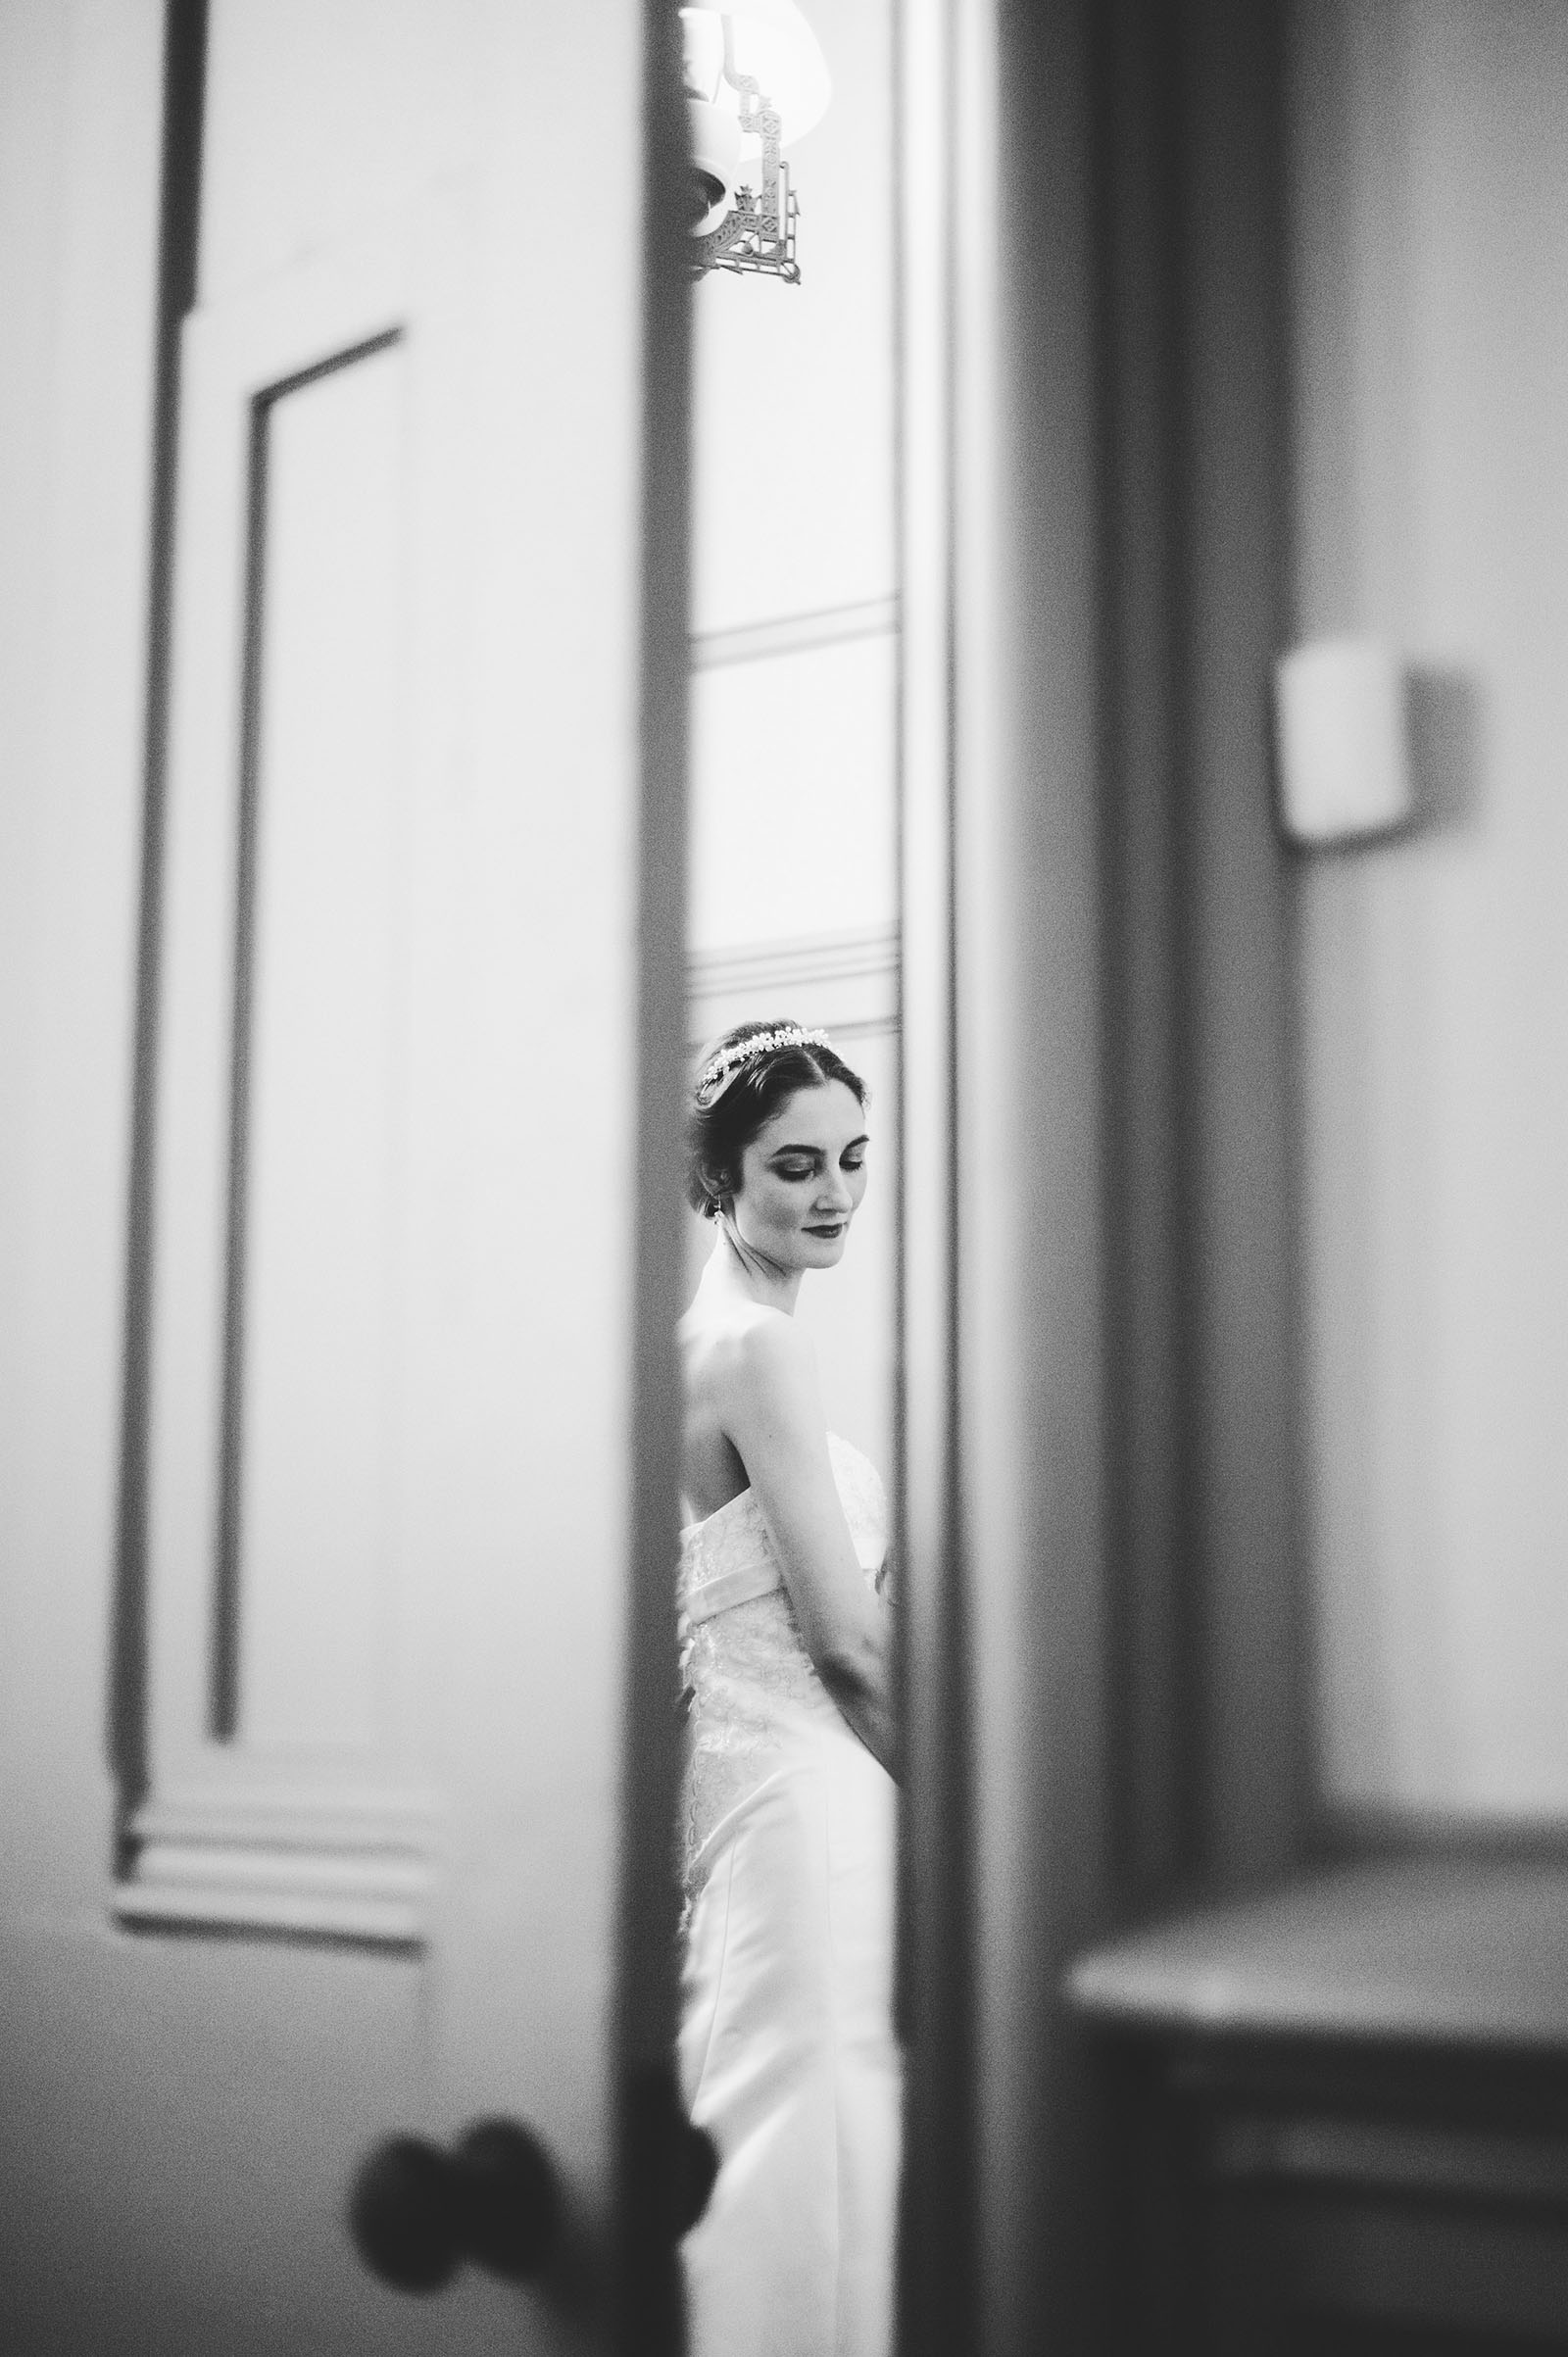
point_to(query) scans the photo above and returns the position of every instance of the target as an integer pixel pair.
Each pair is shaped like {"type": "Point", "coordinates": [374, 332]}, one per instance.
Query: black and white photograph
{"type": "Point", "coordinates": [783, 1178]}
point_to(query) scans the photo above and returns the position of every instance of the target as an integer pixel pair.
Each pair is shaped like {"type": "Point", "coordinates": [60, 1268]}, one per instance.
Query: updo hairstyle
{"type": "Point", "coordinates": [718, 1135]}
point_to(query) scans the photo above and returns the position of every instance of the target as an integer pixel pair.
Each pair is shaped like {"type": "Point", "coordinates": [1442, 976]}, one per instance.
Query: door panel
{"type": "Point", "coordinates": [285, 1783]}
{"type": "Point", "coordinates": [371, 1880]}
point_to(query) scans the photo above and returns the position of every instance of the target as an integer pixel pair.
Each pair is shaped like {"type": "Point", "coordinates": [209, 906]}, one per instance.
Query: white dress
{"type": "Point", "coordinates": [787, 2052]}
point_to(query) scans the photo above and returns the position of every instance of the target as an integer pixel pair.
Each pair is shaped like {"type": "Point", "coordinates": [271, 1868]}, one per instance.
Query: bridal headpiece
{"type": "Point", "coordinates": [718, 1073]}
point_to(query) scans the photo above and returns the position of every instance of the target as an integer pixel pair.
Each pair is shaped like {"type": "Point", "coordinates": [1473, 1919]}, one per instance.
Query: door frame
{"type": "Point", "coordinates": [1106, 1670]}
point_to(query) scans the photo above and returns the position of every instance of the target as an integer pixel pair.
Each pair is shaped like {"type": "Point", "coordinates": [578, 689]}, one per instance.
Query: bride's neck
{"type": "Point", "coordinates": [736, 1268]}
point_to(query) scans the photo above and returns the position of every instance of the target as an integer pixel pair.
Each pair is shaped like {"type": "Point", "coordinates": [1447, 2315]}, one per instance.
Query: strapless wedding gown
{"type": "Point", "coordinates": [787, 2052]}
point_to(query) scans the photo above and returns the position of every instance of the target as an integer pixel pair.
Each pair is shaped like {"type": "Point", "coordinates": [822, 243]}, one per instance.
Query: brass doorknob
{"type": "Point", "coordinates": [416, 2213]}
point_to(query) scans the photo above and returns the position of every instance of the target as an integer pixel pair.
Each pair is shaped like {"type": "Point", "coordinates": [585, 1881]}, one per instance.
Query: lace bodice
{"type": "Point", "coordinates": [729, 1558]}
{"type": "Point", "coordinates": [749, 1679]}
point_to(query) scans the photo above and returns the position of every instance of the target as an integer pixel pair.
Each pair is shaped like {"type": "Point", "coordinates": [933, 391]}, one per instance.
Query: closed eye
{"type": "Point", "coordinates": [793, 1162]}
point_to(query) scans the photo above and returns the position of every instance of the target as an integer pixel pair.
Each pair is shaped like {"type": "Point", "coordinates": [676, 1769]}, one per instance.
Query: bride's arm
{"type": "Point", "coordinates": [773, 1414]}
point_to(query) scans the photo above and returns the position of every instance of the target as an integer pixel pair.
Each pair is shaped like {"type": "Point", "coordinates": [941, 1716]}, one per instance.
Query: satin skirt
{"type": "Point", "coordinates": [788, 2059]}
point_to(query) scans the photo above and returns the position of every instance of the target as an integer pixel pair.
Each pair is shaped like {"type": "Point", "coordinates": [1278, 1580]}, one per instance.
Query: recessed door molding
{"type": "Point", "coordinates": [282, 1783]}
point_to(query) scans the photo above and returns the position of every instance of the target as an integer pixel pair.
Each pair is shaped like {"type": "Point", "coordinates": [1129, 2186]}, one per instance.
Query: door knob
{"type": "Point", "coordinates": [417, 2213]}
{"type": "Point", "coordinates": [672, 2161]}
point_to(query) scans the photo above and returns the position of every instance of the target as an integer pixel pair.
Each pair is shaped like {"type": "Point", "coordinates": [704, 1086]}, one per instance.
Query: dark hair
{"type": "Point", "coordinates": [718, 1134]}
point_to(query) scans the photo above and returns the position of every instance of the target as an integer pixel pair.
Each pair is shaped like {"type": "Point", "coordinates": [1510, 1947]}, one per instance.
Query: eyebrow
{"type": "Point", "coordinates": [864, 1139]}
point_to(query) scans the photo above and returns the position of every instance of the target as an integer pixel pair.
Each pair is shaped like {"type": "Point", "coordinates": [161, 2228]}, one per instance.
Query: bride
{"type": "Point", "coordinates": [787, 2052]}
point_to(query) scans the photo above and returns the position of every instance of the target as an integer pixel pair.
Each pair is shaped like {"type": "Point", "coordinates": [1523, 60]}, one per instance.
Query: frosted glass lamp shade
{"type": "Point", "coordinates": [716, 144]}
{"type": "Point", "coordinates": [771, 40]}
{"type": "Point", "coordinates": [1344, 745]}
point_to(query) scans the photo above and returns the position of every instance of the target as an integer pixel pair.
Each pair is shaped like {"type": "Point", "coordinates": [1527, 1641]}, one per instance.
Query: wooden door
{"type": "Point", "coordinates": [404, 970]}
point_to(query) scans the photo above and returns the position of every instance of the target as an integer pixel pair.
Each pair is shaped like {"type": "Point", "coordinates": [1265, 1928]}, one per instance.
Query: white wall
{"type": "Point", "coordinates": [793, 498]}
{"type": "Point", "coordinates": [793, 825]}
{"type": "Point", "coordinates": [1431, 194]}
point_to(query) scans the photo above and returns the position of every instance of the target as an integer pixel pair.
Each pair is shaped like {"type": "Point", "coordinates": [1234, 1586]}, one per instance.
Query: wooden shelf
{"type": "Point", "coordinates": [1463, 1951]}
{"type": "Point", "coordinates": [1339, 2110]}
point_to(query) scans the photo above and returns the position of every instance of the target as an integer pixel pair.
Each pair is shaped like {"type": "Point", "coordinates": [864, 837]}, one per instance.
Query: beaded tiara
{"type": "Point", "coordinates": [727, 1065]}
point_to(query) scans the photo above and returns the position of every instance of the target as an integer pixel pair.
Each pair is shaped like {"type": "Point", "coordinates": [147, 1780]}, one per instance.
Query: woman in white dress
{"type": "Point", "coordinates": [788, 2056]}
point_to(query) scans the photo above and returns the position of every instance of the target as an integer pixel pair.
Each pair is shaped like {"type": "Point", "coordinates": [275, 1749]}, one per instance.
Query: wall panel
{"type": "Point", "coordinates": [1430, 241]}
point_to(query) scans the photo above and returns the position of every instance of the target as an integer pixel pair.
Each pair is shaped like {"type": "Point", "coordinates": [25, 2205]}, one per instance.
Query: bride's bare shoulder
{"type": "Point", "coordinates": [734, 1349]}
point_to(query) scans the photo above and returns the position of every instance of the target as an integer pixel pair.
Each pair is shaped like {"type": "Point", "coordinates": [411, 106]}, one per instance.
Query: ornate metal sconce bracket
{"type": "Point", "coordinates": [757, 235]}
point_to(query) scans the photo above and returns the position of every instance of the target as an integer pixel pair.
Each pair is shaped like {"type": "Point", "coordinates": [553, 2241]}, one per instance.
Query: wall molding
{"type": "Point", "coordinates": [247, 1858]}
{"type": "Point", "coordinates": [794, 633]}
{"type": "Point", "coordinates": [220, 1830]}
{"type": "Point", "coordinates": [847, 981]}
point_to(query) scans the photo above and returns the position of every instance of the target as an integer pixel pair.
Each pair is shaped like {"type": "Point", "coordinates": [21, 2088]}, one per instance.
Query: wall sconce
{"type": "Point", "coordinates": [755, 81]}
{"type": "Point", "coordinates": [1343, 736]}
